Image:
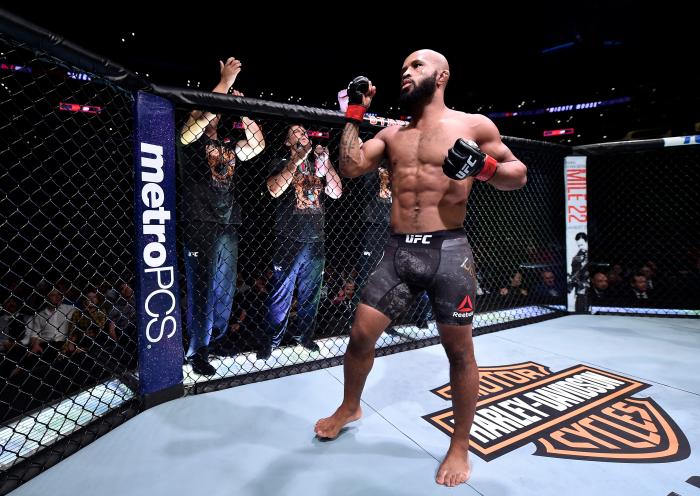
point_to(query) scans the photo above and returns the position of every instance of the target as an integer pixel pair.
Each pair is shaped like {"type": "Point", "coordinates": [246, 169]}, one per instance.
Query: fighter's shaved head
{"type": "Point", "coordinates": [434, 58]}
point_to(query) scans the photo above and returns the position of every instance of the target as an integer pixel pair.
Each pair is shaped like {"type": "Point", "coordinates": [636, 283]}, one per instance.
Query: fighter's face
{"type": "Point", "coordinates": [582, 244]}
{"type": "Point", "coordinates": [418, 81]}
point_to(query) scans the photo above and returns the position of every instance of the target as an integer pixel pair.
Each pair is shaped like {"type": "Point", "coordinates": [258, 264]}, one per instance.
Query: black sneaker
{"type": "Point", "coordinates": [200, 365]}
{"type": "Point", "coordinates": [310, 345]}
{"type": "Point", "coordinates": [263, 353]}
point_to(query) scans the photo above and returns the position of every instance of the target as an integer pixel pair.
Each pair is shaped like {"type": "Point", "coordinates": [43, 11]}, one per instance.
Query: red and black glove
{"type": "Point", "coordinates": [357, 88]}
{"type": "Point", "coordinates": [465, 159]}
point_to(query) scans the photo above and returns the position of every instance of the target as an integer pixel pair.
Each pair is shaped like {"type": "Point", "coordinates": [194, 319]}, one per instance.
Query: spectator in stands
{"type": "Point", "coordinates": [92, 322]}
{"type": "Point", "coordinates": [241, 287]}
{"type": "Point", "coordinates": [332, 282]}
{"type": "Point", "coordinates": [123, 310]}
{"type": "Point", "coordinates": [649, 271]}
{"type": "Point", "coordinates": [514, 292]}
{"type": "Point", "coordinates": [12, 323]}
{"type": "Point", "coordinates": [599, 294]}
{"type": "Point", "coordinates": [616, 277]}
{"type": "Point", "coordinates": [639, 294]}
{"type": "Point", "coordinates": [549, 290]}
{"type": "Point", "coordinates": [342, 307]}
{"type": "Point", "coordinates": [49, 328]}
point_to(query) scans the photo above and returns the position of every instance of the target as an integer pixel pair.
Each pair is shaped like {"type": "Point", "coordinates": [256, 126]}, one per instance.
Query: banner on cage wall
{"type": "Point", "coordinates": [578, 280]}
{"type": "Point", "coordinates": [157, 292]}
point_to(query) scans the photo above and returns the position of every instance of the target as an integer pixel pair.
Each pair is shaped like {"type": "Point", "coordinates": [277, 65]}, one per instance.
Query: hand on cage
{"type": "Point", "coordinates": [360, 94]}
{"type": "Point", "coordinates": [300, 151]}
{"type": "Point", "coordinates": [321, 153]}
{"type": "Point", "coordinates": [229, 70]}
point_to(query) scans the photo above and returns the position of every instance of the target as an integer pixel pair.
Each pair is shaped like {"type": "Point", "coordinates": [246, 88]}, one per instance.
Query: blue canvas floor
{"type": "Point", "coordinates": [258, 439]}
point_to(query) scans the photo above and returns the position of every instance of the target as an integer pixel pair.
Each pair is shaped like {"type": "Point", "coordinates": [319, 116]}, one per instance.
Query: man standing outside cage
{"type": "Point", "coordinates": [434, 162]}
{"type": "Point", "coordinates": [299, 181]}
{"type": "Point", "coordinates": [208, 160]}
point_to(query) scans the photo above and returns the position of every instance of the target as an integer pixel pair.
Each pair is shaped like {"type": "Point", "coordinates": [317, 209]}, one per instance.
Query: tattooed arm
{"type": "Point", "coordinates": [357, 158]}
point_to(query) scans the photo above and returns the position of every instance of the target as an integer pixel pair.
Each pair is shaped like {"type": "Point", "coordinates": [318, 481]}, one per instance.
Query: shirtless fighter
{"type": "Point", "coordinates": [433, 162]}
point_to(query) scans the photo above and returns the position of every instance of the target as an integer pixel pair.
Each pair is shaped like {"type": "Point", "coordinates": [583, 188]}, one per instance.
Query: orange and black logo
{"type": "Point", "coordinates": [581, 413]}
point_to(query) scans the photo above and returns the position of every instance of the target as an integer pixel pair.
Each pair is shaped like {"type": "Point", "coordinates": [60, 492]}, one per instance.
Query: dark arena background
{"type": "Point", "coordinates": [157, 245]}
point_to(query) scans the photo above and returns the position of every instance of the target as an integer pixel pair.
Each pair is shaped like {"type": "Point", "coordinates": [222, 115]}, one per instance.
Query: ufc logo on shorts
{"type": "Point", "coordinates": [471, 162]}
{"type": "Point", "coordinates": [418, 238]}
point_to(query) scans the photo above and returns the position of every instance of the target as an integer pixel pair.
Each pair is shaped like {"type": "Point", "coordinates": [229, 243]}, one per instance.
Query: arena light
{"type": "Point", "coordinates": [80, 76]}
{"type": "Point", "coordinates": [74, 107]}
{"type": "Point", "coordinates": [558, 132]}
{"type": "Point", "coordinates": [318, 134]}
{"type": "Point", "coordinates": [15, 68]}
{"type": "Point", "coordinates": [561, 108]}
{"type": "Point", "coordinates": [556, 48]}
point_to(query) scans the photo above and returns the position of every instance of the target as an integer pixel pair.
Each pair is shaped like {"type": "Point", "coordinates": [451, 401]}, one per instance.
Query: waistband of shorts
{"type": "Point", "coordinates": [434, 239]}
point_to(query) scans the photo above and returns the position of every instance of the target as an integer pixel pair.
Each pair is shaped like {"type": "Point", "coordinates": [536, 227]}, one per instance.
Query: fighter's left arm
{"type": "Point", "coordinates": [510, 172]}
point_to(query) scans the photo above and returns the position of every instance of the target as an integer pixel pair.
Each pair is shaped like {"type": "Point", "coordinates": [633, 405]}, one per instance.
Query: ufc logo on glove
{"type": "Point", "coordinates": [466, 168]}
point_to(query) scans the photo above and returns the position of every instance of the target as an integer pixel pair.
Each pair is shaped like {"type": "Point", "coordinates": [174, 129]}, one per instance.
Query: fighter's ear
{"type": "Point", "coordinates": [443, 77]}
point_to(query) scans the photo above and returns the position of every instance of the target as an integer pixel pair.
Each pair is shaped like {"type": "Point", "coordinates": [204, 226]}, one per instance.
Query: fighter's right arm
{"type": "Point", "coordinates": [357, 158]}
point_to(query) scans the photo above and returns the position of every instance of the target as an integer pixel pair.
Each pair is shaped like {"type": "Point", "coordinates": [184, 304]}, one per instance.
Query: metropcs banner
{"type": "Point", "coordinates": [157, 293]}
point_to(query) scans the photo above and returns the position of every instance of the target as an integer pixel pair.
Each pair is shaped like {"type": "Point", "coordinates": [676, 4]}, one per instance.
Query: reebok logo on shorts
{"type": "Point", "coordinates": [464, 309]}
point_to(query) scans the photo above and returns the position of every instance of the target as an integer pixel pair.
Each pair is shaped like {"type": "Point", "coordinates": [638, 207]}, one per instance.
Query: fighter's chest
{"type": "Point", "coordinates": [426, 146]}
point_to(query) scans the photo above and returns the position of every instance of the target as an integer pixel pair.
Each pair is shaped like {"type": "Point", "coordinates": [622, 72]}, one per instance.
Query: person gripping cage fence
{"type": "Point", "coordinates": [212, 214]}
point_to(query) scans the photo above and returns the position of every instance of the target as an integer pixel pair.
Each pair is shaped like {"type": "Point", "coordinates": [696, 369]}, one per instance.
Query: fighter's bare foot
{"type": "Point", "coordinates": [455, 468]}
{"type": "Point", "coordinates": [329, 427]}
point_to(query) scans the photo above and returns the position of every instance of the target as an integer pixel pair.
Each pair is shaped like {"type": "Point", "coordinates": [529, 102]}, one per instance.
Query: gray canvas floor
{"type": "Point", "coordinates": [258, 439]}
